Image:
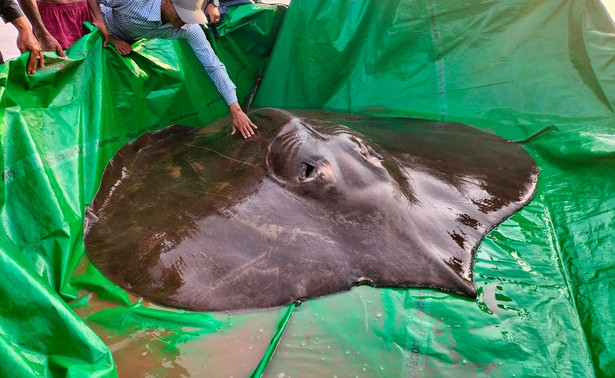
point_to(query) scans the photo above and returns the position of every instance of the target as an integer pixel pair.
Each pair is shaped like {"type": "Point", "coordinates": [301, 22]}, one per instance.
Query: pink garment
{"type": "Point", "coordinates": [64, 21]}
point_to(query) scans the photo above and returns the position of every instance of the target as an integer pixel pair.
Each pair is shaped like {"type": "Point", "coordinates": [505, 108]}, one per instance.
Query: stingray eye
{"type": "Point", "coordinates": [308, 171]}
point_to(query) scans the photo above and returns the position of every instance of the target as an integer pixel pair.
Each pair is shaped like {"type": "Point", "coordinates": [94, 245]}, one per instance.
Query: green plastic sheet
{"type": "Point", "coordinates": [58, 128]}
{"type": "Point", "coordinates": [540, 72]}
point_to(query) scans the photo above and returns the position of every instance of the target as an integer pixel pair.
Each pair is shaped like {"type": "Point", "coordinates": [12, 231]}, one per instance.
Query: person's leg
{"type": "Point", "coordinates": [64, 21]}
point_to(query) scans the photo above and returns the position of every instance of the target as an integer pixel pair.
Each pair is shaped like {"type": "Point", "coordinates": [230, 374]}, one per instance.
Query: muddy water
{"type": "Point", "coordinates": [180, 351]}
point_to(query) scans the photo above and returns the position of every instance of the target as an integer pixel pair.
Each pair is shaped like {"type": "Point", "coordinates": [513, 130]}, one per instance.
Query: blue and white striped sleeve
{"type": "Point", "coordinates": [112, 3]}
{"type": "Point", "coordinates": [210, 61]}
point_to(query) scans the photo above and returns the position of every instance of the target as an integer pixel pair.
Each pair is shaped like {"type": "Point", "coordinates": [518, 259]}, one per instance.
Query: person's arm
{"type": "Point", "coordinates": [47, 41]}
{"type": "Point", "coordinates": [123, 47]}
{"type": "Point", "coordinates": [26, 41]}
{"type": "Point", "coordinates": [217, 72]}
{"type": "Point", "coordinates": [97, 19]}
{"type": "Point", "coordinates": [9, 10]}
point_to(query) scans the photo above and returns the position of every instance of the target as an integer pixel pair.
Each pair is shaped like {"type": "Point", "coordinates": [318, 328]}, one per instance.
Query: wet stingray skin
{"type": "Point", "coordinates": [306, 208]}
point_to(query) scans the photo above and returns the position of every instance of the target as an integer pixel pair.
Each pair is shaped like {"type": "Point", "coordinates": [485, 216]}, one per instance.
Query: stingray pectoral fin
{"type": "Point", "coordinates": [306, 208]}
{"type": "Point", "coordinates": [458, 284]}
{"type": "Point", "coordinates": [449, 274]}
{"type": "Point", "coordinates": [455, 284]}
{"type": "Point", "coordinates": [467, 288]}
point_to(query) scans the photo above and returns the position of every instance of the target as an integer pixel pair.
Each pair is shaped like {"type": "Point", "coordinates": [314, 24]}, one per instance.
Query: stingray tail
{"type": "Point", "coordinates": [246, 106]}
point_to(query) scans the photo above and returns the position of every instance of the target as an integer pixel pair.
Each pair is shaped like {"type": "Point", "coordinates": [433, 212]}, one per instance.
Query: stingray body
{"type": "Point", "coordinates": [306, 208]}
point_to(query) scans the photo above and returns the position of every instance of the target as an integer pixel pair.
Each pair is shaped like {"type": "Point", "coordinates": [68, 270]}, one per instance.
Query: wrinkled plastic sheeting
{"type": "Point", "coordinates": [58, 129]}
{"type": "Point", "coordinates": [539, 72]}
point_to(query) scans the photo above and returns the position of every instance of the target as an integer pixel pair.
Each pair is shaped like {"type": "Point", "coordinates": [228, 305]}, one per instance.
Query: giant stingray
{"type": "Point", "coordinates": [303, 209]}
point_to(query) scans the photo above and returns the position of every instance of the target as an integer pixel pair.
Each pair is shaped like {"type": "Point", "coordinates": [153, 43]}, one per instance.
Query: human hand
{"type": "Point", "coordinates": [26, 41]}
{"type": "Point", "coordinates": [102, 27]}
{"type": "Point", "coordinates": [241, 122]}
{"type": "Point", "coordinates": [49, 43]}
{"type": "Point", "coordinates": [98, 20]}
{"type": "Point", "coordinates": [123, 47]}
{"type": "Point", "coordinates": [213, 13]}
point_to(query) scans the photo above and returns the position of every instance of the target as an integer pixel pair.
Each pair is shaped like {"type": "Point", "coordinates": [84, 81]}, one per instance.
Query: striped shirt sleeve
{"type": "Point", "coordinates": [206, 55]}
{"type": "Point", "coordinates": [212, 64]}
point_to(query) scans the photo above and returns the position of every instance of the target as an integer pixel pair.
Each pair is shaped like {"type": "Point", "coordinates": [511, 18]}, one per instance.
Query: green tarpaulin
{"type": "Point", "coordinates": [540, 72]}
